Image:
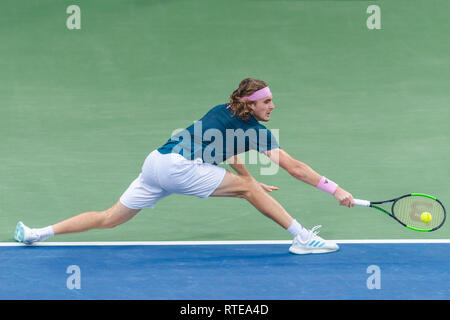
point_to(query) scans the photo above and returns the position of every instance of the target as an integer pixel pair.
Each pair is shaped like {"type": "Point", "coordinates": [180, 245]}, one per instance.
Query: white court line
{"type": "Point", "coordinates": [225, 242]}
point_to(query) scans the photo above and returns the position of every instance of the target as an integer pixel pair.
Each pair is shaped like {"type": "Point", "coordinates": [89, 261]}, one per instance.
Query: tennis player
{"type": "Point", "coordinates": [188, 164]}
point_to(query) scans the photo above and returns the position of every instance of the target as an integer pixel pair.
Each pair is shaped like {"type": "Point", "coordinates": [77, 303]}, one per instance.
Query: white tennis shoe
{"type": "Point", "coordinates": [25, 234]}
{"type": "Point", "coordinates": [312, 244]}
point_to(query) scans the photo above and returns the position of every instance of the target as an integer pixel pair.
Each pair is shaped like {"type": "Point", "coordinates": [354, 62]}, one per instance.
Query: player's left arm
{"type": "Point", "coordinates": [238, 165]}
{"type": "Point", "coordinates": [305, 173]}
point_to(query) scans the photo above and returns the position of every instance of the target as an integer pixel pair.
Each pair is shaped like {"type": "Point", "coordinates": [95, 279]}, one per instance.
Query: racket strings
{"type": "Point", "coordinates": [409, 210]}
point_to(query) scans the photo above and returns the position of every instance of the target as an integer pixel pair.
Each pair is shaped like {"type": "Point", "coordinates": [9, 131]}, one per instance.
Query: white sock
{"type": "Point", "coordinates": [296, 229]}
{"type": "Point", "coordinates": [44, 233]}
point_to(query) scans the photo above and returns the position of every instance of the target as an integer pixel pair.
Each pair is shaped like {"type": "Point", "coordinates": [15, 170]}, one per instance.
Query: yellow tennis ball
{"type": "Point", "coordinates": [425, 217]}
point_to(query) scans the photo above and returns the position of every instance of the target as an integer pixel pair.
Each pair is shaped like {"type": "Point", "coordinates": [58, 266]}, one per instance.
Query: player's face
{"type": "Point", "coordinates": [262, 109]}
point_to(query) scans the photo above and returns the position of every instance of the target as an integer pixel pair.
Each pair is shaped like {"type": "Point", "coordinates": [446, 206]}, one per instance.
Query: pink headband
{"type": "Point", "coordinates": [260, 94]}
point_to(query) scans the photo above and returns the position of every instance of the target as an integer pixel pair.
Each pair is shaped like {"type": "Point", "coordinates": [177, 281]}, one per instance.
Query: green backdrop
{"type": "Point", "coordinates": [81, 109]}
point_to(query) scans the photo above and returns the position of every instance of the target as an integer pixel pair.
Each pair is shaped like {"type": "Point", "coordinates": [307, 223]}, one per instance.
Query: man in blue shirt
{"type": "Point", "coordinates": [219, 135]}
{"type": "Point", "coordinates": [187, 164]}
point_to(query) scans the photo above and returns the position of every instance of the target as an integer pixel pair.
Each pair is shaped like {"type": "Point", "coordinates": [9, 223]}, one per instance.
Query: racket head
{"type": "Point", "coordinates": [409, 208]}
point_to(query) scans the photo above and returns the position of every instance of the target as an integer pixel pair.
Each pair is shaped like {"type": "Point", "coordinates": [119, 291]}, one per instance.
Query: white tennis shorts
{"type": "Point", "coordinates": [164, 174]}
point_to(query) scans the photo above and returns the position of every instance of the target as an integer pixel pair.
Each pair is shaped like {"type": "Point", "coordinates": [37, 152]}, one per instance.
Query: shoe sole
{"type": "Point", "coordinates": [19, 233]}
{"type": "Point", "coordinates": [313, 251]}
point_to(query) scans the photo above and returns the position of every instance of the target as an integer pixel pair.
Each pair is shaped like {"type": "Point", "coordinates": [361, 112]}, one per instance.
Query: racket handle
{"type": "Point", "coordinates": [362, 203]}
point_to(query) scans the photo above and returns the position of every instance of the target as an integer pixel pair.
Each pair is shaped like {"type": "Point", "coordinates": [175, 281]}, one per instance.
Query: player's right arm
{"type": "Point", "coordinates": [305, 173]}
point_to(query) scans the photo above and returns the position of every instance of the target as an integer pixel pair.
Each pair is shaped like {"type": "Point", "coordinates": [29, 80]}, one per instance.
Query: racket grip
{"type": "Point", "coordinates": [362, 203]}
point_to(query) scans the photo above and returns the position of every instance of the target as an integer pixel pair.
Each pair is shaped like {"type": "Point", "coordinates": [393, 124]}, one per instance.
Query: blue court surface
{"type": "Point", "coordinates": [375, 271]}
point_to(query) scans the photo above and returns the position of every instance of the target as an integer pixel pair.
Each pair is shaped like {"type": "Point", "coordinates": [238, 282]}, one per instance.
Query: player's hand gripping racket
{"type": "Point", "coordinates": [416, 211]}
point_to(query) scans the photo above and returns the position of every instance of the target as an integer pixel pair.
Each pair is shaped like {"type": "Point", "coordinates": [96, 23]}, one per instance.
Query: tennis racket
{"type": "Point", "coordinates": [408, 210]}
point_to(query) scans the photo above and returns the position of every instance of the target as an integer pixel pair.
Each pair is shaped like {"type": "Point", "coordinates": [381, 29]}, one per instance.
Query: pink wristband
{"type": "Point", "coordinates": [327, 185]}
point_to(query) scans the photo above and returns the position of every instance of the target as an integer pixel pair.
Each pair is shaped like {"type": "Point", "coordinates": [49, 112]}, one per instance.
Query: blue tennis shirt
{"type": "Point", "coordinates": [219, 135]}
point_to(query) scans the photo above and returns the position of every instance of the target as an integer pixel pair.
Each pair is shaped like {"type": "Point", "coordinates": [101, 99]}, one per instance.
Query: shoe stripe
{"type": "Point", "coordinates": [312, 243]}
{"type": "Point", "coordinates": [317, 244]}
{"type": "Point", "coordinates": [322, 244]}
{"type": "Point", "coordinates": [19, 232]}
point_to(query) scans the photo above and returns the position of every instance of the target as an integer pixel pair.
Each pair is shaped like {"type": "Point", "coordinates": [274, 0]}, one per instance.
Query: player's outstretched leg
{"type": "Point", "coordinates": [109, 218]}
{"type": "Point", "coordinates": [305, 241]}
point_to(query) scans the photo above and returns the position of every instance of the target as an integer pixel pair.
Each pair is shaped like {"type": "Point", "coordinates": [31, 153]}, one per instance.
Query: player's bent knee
{"type": "Point", "coordinates": [106, 218]}
{"type": "Point", "coordinates": [238, 186]}
{"type": "Point", "coordinates": [249, 186]}
{"type": "Point", "coordinates": [116, 215]}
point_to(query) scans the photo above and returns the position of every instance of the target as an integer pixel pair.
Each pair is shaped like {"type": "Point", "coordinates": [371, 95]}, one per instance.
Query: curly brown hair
{"type": "Point", "coordinates": [246, 88]}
